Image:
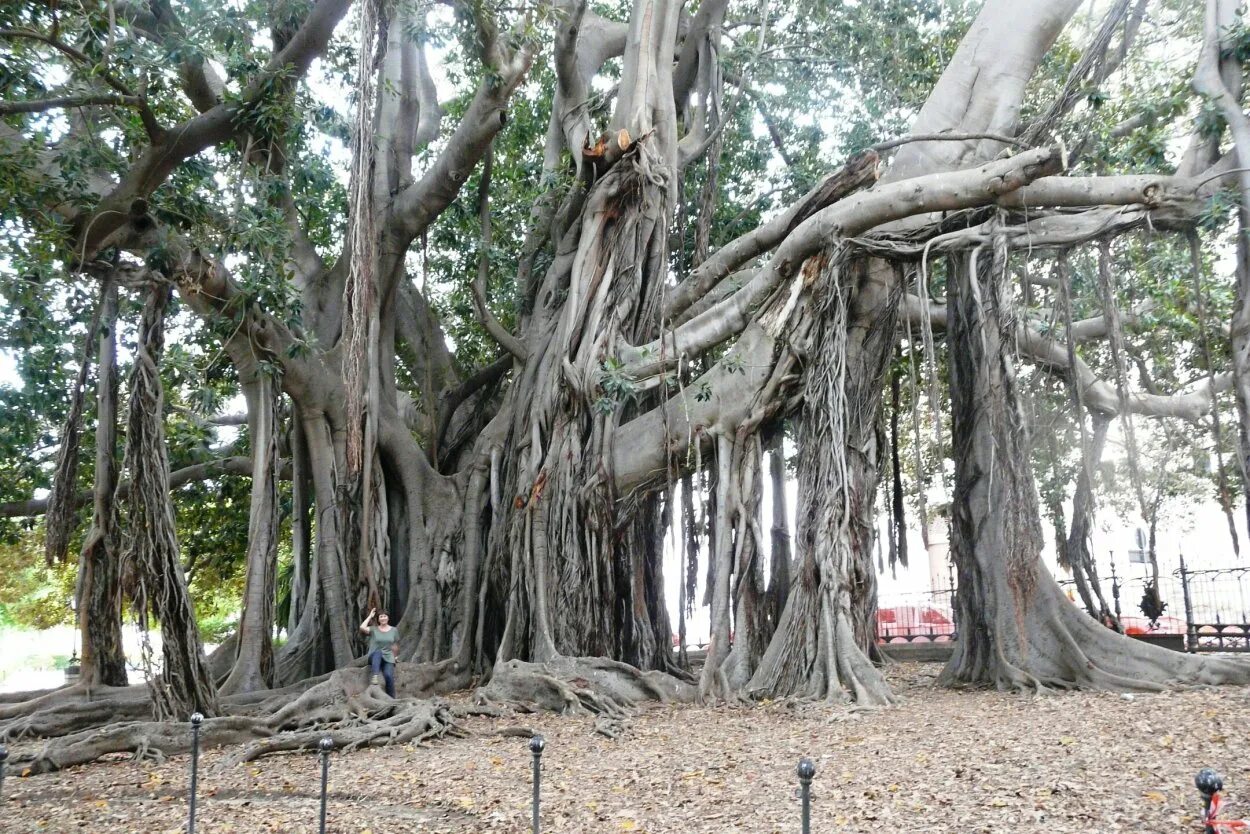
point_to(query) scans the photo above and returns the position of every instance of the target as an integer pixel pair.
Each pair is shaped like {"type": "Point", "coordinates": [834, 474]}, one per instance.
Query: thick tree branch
{"type": "Point", "coordinates": [1218, 76]}
{"type": "Point", "coordinates": [43, 105]}
{"type": "Point", "coordinates": [1148, 190]}
{"type": "Point", "coordinates": [497, 331]}
{"type": "Point", "coordinates": [1098, 395]}
{"type": "Point", "coordinates": [453, 398]}
{"type": "Point", "coordinates": [858, 171]}
{"type": "Point", "coordinates": [409, 115]}
{"type": "Point", "coordinates": [157, 20]}
{"type": "Point", "coordinates": [1096, 327]}
{"type": "Point", "coordinates": [419, 329]}
{"type": "Point", "coordinates": [208, 289]}
{"type": "Point", "coordinates": [847, 218]}
{"type": "Point", "coordinates": [709, 17]}
{"type": "Point", "coordinates": [235, 465]}
{"type": "Point", "coordinates": [94, 230]}
{"type": "Point", "coordinates": [416, 206]}
{"type": "Point", "coordinates": [1162, 201]}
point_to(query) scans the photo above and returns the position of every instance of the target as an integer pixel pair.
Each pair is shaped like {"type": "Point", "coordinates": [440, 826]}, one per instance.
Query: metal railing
{"type": "Point", "coordinates": [927, 617]}
{"type": "Point", "coordinates": [1207, 610]}
{"type": "Point", "coordinates": [1217, 609]}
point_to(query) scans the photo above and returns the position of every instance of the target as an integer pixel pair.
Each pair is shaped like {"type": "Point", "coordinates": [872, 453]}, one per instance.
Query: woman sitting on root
{"type": "Point", "coordinates": [382, 648]}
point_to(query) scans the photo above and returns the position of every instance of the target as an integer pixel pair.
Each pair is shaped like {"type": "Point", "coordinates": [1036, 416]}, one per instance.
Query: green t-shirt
{"type": "Point", "coordinates": [383, 641]}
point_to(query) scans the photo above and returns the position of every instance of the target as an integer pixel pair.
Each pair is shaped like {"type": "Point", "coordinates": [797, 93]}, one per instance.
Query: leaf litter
{"type": "Point", "coordinates": [941, 761]}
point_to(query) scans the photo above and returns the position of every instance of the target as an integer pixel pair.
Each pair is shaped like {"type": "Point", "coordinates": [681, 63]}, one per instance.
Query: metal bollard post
{"type": "Point", "coordinates": [806, 771]}
{"type": "Point", "coordinates": [537, 743]}
{"type": "Point", "coordinates": [1209, 784]}
{"type": "Point", "coordinates": [325, 746]}
{"type": "Point", "coordinates": [196, 720]}
{"type": "Point", "coordinates": [4, 757]}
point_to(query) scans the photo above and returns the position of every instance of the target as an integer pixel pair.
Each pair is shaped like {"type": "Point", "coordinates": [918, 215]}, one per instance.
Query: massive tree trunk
{"type": "Point", "coordinates": [821, 645]}
{"type": "Point", "coordinates": [1219, 79]}
{"type": "Point", "coordinates": [1016, 628]}
{"type": "Point", "coordinates": [558, 547]}
{"type": "Point", "coordinates": [523, 531]}
{"type": "Point", "coordinates": [99, 588]}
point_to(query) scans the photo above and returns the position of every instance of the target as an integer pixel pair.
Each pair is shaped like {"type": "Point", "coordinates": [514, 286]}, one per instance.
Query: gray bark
{"type": "Point", "coordinates": [98, 590]}
{"type": "Point", "coordinates": [254, 664]}
{"type": "Point", "coordinates": [1017, 630]}
{"type": "Point", "coordinates": [821, 645]}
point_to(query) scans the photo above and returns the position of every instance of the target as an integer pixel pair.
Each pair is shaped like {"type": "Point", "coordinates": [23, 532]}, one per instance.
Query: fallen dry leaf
{"type": "Point", "coordinates": [942, 762]}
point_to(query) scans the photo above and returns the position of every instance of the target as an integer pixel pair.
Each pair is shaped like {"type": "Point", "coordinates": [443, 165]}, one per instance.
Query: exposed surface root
{"type": "Point", "coordinates": [347, 692]}
{"type": "Point", "coordinates": [395, 721]}
{"type": "Point", "coordinates": [1058, 646]}
{"type": "Point", "coordinates": [28, 695]}
{"type": "Point", "coordinates": [67, 695]}
{"type": "Point", "coordinates": [145, 739]}
{"type": "Point", "coordinates": [71, 717]}
{"type": "Point", "coordinates": [609, 727]}
{"type": "Point", "coordinates": [70, 709]}
{"type": "Point", "coordinates": [583, 685]}
{"type": "Point", "coordinates": [82, 726]}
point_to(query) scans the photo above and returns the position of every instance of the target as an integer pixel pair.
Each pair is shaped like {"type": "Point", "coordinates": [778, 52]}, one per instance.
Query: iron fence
{"type": "Point", "coordinates": [1217, 609]}
{"type": "Point", "coordinates": [926, 617]}
{"type": "Point", "coordinates": [1209, 608]}
{"type": "Point", "coordinates": [1205, 610]}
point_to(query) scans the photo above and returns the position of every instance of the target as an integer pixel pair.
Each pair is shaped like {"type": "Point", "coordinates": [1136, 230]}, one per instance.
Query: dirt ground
{"type": "Point", "coordinates": [942, 761]}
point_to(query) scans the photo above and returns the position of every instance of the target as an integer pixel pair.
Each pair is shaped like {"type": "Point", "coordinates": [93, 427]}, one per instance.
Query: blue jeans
{"type": "Point", "coordinates": [387, 670]}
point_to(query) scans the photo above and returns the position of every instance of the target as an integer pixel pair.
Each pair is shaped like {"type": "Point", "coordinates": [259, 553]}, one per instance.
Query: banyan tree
{"type": "Point", "coordinates": [500, 289]}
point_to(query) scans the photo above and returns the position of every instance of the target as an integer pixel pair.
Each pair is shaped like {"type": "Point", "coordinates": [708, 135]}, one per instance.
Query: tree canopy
{"type": "Point", "coordinates": [451, 308]}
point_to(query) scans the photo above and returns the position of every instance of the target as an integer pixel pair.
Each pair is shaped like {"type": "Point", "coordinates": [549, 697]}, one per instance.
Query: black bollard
{"type": "Point", "coordinates": [806, 771]}
{"type": "Point", "coordinates": [325, 746]}
{"type": "Point", "coordinates": [4, 757]}
{"type": "Point", "coordinates": [1209, 784]}
{"type": "Point", "coordinates": [537, 743]}
{"type": "Point", "coordinates": [196, 721]}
